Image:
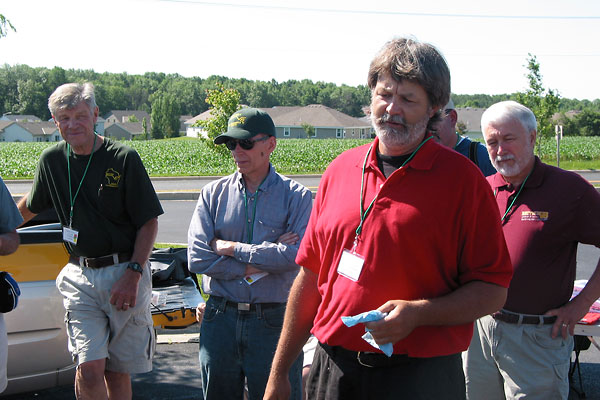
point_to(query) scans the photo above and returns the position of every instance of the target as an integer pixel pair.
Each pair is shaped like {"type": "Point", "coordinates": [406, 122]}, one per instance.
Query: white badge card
{"type": "Point", "coordinates": [350, 265]}
{"type": "Point", "coordinates": [250, 279]}
{"type": "Point", "coordinates": [70, 235]}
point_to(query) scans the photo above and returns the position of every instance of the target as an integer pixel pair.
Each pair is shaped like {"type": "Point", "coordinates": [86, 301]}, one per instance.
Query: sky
{"type": "Point", "coordinates": [486, 43]}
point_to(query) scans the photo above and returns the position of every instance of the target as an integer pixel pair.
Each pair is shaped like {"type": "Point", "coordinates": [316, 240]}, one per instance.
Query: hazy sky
{"type": "Point", "coordinates": [485, 43]}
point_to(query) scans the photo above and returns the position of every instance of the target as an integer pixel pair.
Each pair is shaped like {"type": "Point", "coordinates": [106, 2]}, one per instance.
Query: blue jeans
{"type": "Point", "coordinates": [239, 345]}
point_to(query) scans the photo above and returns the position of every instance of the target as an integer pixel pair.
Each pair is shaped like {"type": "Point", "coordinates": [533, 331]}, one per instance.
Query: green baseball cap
{"type": "Point", "coordinates": [247, 123]}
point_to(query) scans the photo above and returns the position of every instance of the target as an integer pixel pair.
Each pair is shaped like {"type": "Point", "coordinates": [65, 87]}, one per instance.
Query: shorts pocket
{"type": "Point", "coordinates": [143, 325]}
{"type": "Point", "coordinates": [72, 331]}
{"type": "Point", "coordinates": [542, 338]}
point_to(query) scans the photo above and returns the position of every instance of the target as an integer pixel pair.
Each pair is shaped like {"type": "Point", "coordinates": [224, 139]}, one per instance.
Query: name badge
{"type": "Point", "coordinates": [350, 265]}
{"type": "Point", "coordinates": [250, 279]}
{"type": "Point", "coordinates": [70, 235]}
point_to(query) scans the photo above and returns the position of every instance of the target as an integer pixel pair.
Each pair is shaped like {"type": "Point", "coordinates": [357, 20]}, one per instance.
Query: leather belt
{"type": "Point", "coordinates": [366, 359]}
{"type": "Point", "coordinates": [514, 318]}
{"type": "Point", "coordinates": [246, 306]}
{"type": "Point", "coordinates": [100, 262]}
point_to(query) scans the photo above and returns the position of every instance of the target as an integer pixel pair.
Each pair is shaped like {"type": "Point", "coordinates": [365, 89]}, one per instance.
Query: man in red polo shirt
{"type": "Point", "coordinates": [524, 349]}
{"type": "Point", "coordinates": [404, 226]}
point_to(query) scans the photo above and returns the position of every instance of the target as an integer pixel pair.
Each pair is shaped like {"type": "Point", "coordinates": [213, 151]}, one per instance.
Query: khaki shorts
{"type": "Point", "coordinates": [96, 329]}
{"type": "Point", "coordinates": [514, 361]}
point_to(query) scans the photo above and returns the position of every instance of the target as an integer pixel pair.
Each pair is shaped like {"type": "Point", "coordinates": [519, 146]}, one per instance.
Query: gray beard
{"type": "Point", "coordinates": [407, 134]}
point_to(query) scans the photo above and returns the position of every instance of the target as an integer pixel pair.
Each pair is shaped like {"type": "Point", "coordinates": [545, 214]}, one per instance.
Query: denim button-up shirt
{"type": "Point", "coordinates": [282, 205]}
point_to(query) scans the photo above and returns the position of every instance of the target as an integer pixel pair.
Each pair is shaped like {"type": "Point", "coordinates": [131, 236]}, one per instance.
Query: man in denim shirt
{"type": "Point", "coordinates": [243, 237]}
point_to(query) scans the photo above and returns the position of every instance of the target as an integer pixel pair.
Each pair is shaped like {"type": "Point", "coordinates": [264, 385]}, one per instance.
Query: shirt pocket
{"type": "Point", "coordinates": [271, 228]}
{"type": "Point", "coordinates": [111, 203]}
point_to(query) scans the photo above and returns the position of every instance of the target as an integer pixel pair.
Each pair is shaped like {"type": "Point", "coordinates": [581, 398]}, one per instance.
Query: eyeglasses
{"type": "Point", "coordinates": [246, 144]}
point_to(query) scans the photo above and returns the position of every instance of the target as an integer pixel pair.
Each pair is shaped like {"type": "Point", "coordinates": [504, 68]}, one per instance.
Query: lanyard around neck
{"type": "Point", "coordinates": [364, 213]}
{"type": "Point", "coordinates": [514, 198]}
{"type": "Point", "coordinates": [250, 222]}
{"type": "Point", "coordinates": [71, 197]}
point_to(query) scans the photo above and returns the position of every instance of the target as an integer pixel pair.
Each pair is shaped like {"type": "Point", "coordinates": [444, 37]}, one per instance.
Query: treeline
{"type": "Point", "coordinates": [486, 100]}
{"type": "Point", "coordinates": [25, 90]}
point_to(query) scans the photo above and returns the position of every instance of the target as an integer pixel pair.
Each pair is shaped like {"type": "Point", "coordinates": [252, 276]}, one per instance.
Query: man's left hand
{"type": "Point", "coordinates": [123, 294]}
{"type": "Point", "coordinates": [401, 320]}
{"type": "Point", "coordinates": [567, 317]}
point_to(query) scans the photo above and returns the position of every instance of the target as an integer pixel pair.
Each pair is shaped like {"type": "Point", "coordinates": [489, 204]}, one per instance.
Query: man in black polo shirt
{"type": "Point", "coordinates": [108, 210]}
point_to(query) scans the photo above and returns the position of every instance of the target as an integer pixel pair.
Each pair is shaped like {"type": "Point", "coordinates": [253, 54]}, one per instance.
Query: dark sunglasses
{"type": "Point", "coordinates": [246, 144]}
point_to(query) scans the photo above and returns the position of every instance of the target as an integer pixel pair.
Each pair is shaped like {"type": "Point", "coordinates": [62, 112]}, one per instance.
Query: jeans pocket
{"type": "Point", "coordinates": [273, 317]}
{"type": "Point", "coordinates": [210, 313]}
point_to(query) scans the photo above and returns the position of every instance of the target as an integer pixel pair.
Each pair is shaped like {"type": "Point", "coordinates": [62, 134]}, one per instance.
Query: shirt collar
{"type": "Point", "coordinates": [265, 185]}
{"type": "Point", "coordinates": [423, 160]}
{"type": "Point", "coordinates": [535, 179]}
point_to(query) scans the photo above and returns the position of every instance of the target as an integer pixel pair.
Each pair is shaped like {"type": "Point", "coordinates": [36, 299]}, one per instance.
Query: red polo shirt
{"type": "Point", "coordinates": [433, 228]}
{"type": "Point", "coordinates": [555, 210]}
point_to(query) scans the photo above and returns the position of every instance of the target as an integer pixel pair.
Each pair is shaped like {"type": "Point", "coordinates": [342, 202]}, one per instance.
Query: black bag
{"type": "Point", "coordinates": [169, 266]}
{"type": "Point", "coordinates": [9, 292]}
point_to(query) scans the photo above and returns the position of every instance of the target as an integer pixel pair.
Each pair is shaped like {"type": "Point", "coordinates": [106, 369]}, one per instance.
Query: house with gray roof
{"type": "Point", "coordinates": [327, 123]}
{"type": "Point", "coordinates": [125, 116]}
{"type": "Point", "coordinates": [290, 122]}
{"type": "Point", "coordinates": [19, 118]}
{"type": "Point", "coordinates": [197, 131]}
{"type": "Point", "coordinates": [124, 130]}
{"type": "Point", "coordinates": [40, 131]}
{"type": "Point", "coordinates": [471, 117]}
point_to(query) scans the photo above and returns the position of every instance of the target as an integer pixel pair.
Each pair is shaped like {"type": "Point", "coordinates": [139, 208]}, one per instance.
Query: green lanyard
{"type": "Point", "coordinates": [514, 198]}
{"type": "Point", "coordinates": [364, 213]}
{"type": "Point", "coordinates": [458, 140]}
{"type": "Point", "coordinates": [250, 222]}
{"type": "Point", "coordinates": [71, 197]}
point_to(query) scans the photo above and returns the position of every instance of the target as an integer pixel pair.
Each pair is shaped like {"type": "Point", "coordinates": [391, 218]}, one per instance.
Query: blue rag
{"type": "Point", "coordinates": [373, 315]}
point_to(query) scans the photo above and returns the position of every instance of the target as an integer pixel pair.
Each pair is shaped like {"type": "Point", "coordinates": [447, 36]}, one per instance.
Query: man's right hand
{"type": "Point", "coordinates": [278, 387]}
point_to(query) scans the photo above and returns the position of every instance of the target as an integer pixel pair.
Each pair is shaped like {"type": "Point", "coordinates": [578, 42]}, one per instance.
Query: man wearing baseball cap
{"type": "Point", "coordinates": [445, 133]}
{"type": "Point", "coordinates": [243, 237]}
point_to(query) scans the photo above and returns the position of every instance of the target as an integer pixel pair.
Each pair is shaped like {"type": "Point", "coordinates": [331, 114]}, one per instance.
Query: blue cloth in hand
{"type": "Point", "coordinates": [373, 315]}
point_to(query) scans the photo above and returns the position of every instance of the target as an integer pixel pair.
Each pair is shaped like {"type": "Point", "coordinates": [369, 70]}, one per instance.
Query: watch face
{"type": "Point", "coordinates": [135, 266]}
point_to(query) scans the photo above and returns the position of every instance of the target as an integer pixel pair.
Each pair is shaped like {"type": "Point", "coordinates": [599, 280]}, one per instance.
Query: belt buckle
{"type": "Point", "coordinates": [243, 306]}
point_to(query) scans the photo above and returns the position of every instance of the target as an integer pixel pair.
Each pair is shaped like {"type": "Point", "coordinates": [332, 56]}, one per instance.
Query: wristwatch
{"type": "Point", "coordinates": [135, 266]}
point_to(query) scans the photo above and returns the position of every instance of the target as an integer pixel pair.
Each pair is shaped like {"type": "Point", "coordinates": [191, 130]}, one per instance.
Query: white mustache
{"type": "Point", "coordinates": [505, 158]}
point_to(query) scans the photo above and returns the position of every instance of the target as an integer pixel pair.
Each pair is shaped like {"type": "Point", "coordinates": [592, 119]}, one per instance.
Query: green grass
{"type": "Point", "coordinates": [195, 157]}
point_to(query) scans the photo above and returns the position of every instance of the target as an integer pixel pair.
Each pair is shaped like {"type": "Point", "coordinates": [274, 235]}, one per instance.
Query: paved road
{"type": "Point", "coordinates": [188, 187]}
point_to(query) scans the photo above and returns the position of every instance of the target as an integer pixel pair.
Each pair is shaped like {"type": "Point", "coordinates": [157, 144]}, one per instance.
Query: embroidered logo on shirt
{"type": "Point", "coordinates": [112, 178]}
{"type": "Point", "coordinates": [534, 216]}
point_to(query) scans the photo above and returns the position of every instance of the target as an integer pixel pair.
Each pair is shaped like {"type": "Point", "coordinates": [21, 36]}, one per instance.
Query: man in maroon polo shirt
{"type": "Point", "coordinates": [524, 349]}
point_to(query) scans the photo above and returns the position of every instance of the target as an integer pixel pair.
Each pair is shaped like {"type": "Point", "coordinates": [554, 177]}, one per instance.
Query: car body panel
{"type": "Point", "coordinates": [38, 356]}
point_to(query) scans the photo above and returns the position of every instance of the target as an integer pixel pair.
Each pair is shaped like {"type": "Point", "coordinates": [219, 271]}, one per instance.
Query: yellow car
{"type": "Point", "coordinates": [37, 340]}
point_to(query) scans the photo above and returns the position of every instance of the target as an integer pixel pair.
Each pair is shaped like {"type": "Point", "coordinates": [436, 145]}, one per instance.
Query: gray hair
{"type": "Point", "coordinates": [70, 95]}
{"type": "Point", "coordinates": [422, 63]}
{"type": "Point", "coordinates": [505, 111]}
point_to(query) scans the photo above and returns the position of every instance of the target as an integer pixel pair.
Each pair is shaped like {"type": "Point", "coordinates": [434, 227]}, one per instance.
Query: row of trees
{"type": "Point", "coordinates": [25, 90]}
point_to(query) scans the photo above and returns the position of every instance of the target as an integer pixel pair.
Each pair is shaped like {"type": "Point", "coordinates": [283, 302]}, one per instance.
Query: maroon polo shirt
{"type": "Point", "coordinates": [555, 211]}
